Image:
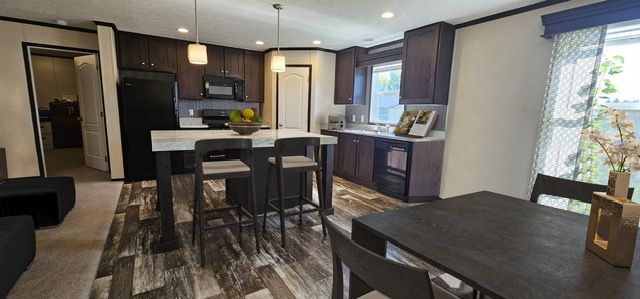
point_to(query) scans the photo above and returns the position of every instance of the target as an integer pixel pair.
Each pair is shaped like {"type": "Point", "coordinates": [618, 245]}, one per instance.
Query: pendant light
{"type": "Point", "coordinates": [277, 61]}
{"type": "Point", "coordinates": [197, 53]}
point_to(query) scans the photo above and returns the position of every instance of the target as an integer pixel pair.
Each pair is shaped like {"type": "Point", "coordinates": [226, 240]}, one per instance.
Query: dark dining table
{"type": "Point", "coordinates": [502, 246]}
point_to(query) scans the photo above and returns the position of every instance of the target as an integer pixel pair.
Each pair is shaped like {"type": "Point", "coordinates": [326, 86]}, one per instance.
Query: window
{"type": "Point", "coordinates": [385, 93]}
{"type": "Point", "coordinates": [592, 70]}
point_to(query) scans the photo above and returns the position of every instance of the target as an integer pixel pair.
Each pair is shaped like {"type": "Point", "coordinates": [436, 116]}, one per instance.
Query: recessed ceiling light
{"type": "Point", "coordinates": [61, 22]}
{"type": "Point", "coordinates": [317, 42]}
{"type": "Point", "coordinates": [387, 15]}
{"type": "Point", "coordinates": [259, 43]}
{"type": "Point", "coordinates": [183, 30]}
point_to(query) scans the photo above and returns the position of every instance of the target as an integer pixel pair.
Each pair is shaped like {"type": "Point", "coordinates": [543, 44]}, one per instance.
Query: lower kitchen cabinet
{"type": "Point", "coordinates": [410, 171]}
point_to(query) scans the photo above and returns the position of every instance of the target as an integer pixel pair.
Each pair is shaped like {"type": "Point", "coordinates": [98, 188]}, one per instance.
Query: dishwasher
{"type": "Point", "coordinates": [390, 167]}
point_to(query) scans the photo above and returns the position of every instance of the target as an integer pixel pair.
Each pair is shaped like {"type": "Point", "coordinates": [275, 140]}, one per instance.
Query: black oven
{"type": "Point", "coordinates": [390, 174]}
{"type": "Point", "coordinates": [223, 88]}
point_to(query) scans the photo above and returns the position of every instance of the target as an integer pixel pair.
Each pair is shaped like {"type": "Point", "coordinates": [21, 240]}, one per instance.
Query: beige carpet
{"type": "Point", "coordinates": [67, 256]}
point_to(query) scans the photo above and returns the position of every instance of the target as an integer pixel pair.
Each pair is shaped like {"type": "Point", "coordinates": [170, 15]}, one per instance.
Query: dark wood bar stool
{"type": "Point", "coordinates": [222, 170]}
{"type": "Point", "coordinates": [294, 164]}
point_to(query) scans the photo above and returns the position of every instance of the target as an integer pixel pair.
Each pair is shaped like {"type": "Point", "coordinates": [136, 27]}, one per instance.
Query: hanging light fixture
{"type": "Point", "coordinates": [277, 61]}
{"type": "Point", "coordinates": [197, 53]}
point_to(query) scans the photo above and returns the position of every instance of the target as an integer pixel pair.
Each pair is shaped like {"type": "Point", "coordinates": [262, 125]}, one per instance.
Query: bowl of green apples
{"type": "Point", "coordinates": [245, 122]}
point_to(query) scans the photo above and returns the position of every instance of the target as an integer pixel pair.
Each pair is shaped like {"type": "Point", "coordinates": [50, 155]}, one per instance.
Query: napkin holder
{"type": "Point", "coordinates": [613, 227]}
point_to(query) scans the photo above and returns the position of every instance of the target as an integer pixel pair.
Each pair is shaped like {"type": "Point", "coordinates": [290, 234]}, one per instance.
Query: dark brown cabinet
{"type": "Point", "coordinates": [253, 76]}
{"type": "Point", "coordinates": [350, 87]}
{"type": "Point", "coordinates": [147, 53]}
{"type": "Point", "coordinates": [190, 76]}
{"type": "Point", "coordinates": [215, 60]}
{"type": "Point", "coordinates": [354, 157]}
{"type": "Point", "coordinates": [134, 51]}
{"type": "Point", "coordinates": [228, 62]}
{"type": "Point", "coordinates": [234, 63]}
{"type": "Point", "coordinates": [426, 64]}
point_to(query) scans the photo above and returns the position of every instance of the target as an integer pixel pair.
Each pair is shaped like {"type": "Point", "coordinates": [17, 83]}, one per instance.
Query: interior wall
{"type": "Point", "coordinates": [322, 86]}
{"type": "Point", "coordinates": [109, 74]}
{"type": "Point", "coordinates": [16, 133]}
{"type": "Point", "coordinates": [54, 78]}
{"type": "Point", "coordinates": [497, 90]}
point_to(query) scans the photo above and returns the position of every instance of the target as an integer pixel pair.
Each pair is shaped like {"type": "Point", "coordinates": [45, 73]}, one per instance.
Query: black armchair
{"type": "Point", "coordinates": [17, 249]}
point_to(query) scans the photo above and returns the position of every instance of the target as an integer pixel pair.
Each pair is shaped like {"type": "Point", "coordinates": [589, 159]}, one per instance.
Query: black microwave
{"type": "Point", "coordinates": [224, 88]}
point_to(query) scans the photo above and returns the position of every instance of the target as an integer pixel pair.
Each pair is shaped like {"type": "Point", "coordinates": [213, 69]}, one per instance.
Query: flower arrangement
{"type": "Point", "coordinates": [623, 148]}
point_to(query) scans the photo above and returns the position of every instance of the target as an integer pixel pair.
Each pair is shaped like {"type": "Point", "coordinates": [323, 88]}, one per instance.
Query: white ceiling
{"type": "Point", "coordinates": [239, 23]}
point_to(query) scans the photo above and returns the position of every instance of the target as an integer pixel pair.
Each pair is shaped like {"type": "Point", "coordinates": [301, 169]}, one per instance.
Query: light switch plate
{"type": "Point", "coordinates": [362, 118]}
{"type": "Point", "coordinates": [353, 118]}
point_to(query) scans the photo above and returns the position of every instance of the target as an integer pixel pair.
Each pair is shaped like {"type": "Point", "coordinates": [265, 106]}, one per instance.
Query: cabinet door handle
{"type": "Point", "coordinates": [349, 99]}
{"type": "Point", "coordinates": [226, 72]}
{"type": "Point", "coordinates": [222, 71]}
{"type": "Point", "coordinates": [152, 64]}
{"type": "Point", "coordinates": [143, 63]}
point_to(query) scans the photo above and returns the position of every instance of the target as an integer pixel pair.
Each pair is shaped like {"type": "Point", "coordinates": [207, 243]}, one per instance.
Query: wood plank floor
{"type": "Point", "coordinates": [129, 269]}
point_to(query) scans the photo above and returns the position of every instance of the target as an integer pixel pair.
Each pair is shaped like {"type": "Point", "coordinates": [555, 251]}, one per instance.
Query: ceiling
{"type": "Point", "coordinates": [239, 23]}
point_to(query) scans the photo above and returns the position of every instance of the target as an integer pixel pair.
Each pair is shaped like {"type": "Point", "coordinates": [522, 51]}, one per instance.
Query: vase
{"type": "Point", "coordinates": [618, 185]}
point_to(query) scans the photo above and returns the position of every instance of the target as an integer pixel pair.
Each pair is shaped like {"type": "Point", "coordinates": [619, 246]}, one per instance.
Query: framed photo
{"type": "Point", "coordinates": [407, 120]}
{"type": "Point", "coordinates": [423, 123]}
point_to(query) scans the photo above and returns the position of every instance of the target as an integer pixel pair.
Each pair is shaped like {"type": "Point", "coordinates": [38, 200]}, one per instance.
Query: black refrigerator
{"type": "Point", "coordinates": [146, 105]}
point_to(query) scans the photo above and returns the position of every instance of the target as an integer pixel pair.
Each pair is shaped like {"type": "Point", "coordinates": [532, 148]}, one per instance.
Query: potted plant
{"type": "Point", "coordinates": [622, 150]}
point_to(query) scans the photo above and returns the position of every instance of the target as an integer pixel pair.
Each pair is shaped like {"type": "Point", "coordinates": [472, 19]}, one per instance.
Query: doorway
{"type": "Point", "coordinates": [294, 98]}
{"type": "Point", "coordinates": [65, 90]}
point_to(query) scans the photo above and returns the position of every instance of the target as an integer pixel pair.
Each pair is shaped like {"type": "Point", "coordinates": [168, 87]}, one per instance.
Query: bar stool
{"type": "Point", "coordinates": [294, 164]}
{"type": "Point", "coordinates": [222, 170]}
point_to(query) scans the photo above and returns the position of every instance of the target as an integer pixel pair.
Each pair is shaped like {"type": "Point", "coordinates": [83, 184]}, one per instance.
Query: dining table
{"type": "Point", "coordinates": [166, 142]}
{"type": "Point", "coordinates": [502, 246]}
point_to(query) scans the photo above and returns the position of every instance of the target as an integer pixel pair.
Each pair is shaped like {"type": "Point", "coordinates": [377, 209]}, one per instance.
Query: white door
{"type": "Point", "coordinates": [293, 99]}
{"type": "Point", "coordinates": [91, 111]}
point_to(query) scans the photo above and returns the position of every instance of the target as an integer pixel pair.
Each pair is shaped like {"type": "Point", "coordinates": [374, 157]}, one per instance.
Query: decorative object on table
{"type": "Point", "coordinates": [619, 217]}
{"type": "Point", "coordinates": [622, 151]}
{"type": "Point", "coordinates": [245, 122]}
{"type": "Point", "coordinates": [423, 123]}
{"type": "Point", "coordinates": [407, 120]}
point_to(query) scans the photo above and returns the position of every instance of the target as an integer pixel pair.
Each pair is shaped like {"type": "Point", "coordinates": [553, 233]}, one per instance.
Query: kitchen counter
{"type": "Point", "coordinates": [433, 135]}
{"type": "Point", "coordinates": [196, 123]}
{"type": "Point", "coordinates": [184, 140]}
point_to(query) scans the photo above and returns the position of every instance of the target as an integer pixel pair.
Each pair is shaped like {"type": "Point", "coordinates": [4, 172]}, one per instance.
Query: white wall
{"type": "Point", "coordinates": [497, 90]}
{"type": "Point", "coordinates": [16, 129]}
{"type": "Point", "coordinates": [109, 74]}
{"type": "Point", "coordinates": [322, 86]}
{"type": "Point", "coordinates": [54, 78]}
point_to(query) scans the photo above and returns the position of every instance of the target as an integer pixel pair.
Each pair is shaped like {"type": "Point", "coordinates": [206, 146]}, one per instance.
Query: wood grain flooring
{"type": "Point", "coordinates": [129, 269]}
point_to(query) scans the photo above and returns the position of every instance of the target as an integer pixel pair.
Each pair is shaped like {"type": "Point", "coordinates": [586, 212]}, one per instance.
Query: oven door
{"type": "Point", "coordinates": [220, 88]}
{"type": "Point", "coordinates": [390, 167]}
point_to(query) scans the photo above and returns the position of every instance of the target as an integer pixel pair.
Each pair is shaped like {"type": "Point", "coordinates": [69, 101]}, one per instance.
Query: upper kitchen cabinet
{"type": "Point", "coordinates": [234, 63]}
{"type": "Point", "coordinates": [190, 76]}
{"type": "Point", "coordinates": [147, 53]}
{"type": "Point", "coordinates": [134, 51]}
{"type": "Point", "coordinates": [351, 81]}
{"type": "Point", "coordinates": [226, 62]}
{"type": "Point", "coordinates": [254, 76]}
{"type": "Point", "coordinates": [426, 64]}
{"type": "Point", "coordinates": [215, 60]}
{"type": "Point", "coordinates": [162, 55]}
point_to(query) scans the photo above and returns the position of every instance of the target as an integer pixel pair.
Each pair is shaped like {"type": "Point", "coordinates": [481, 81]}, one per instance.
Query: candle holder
{"type": "Point", "coordinates": [613, 227]}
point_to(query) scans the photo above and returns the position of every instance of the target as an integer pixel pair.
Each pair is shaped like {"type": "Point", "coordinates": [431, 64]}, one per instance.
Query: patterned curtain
{"type": "Point", "coordinates": [568, 99]}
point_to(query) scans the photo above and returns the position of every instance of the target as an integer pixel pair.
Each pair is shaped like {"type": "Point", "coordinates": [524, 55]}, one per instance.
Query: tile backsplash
{"type": "Point", "coordinates": [197, 105]}
{"type": "Point", "coordinates": [361, 114]}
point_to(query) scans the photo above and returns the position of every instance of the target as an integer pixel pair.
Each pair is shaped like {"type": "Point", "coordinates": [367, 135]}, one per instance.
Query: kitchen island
{"type": "Point", "coordinates": [164, 142]}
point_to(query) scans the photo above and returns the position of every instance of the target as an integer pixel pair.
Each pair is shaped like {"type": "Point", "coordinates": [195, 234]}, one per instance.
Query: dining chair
{"type": "Point", "coordinates": [222, 170]}
{"type": "Point", "coordinates": [389, 279]}
{"type": "Point", "coordinates": [283, 164]}
{"type": "Point", "coordinates": [576, 190]}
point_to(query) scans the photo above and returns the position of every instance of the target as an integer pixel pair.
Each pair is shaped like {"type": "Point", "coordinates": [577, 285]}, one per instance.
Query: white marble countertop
{"type": "Point", "coordinates": [433, 135]}
{"type": "Point", "coordinates": [184, 140]}
{"type": "Point", "coordinates": [192, 122]}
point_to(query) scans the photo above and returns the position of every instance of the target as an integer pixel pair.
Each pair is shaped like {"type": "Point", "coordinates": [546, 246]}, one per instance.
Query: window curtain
{"type": "Point", "coordinates": [569, 96]}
